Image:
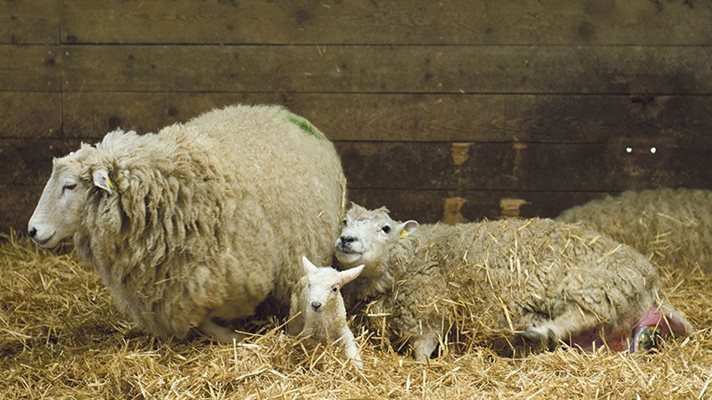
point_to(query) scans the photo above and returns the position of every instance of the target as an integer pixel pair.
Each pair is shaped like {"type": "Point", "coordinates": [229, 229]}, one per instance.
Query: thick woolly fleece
{"type": "Point", "coordinates": [481, 283]}
{"type": "Point", "coordinates": [211, 217]}
{"type": "Point", "coordinates": [673, 226]}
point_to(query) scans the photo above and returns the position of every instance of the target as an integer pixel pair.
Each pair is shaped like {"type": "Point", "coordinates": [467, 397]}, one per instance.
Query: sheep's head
{"type": "Point", "coordinates": [367, 236]}
{"type": "Point", "coordinates": [59, 211]}
{"type": "Point", "coordinates": [323, 284]}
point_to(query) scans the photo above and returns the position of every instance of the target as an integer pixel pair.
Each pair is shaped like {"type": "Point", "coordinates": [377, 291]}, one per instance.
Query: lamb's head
{"type": "Point", "coordinates": [323, 284]}
{"type": "Point", "coordinates": [368, 235]}
{"type": "Point", "coordinates": [59, 211]}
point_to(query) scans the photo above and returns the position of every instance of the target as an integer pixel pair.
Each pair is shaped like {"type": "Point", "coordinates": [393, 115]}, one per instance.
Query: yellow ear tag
{"type": "Point", "coordinates": [403, 234]}
{"type": "Point", "coordinates": [110, 183]}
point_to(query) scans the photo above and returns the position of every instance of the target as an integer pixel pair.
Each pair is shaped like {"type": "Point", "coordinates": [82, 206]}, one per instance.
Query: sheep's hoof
{"type": "Point", "coordinates": [538, 337]}
{"type": "Point", "coordinates": [647, 338]}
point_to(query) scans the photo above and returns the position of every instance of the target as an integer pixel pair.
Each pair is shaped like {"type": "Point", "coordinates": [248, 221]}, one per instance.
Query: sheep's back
{"type": "Point", "coordinates": [671, 226]}
{"type": "Point", "coordinates": [294, 174]}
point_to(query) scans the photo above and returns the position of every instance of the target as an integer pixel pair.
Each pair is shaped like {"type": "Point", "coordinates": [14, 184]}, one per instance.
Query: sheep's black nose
{"type": "Point", "coordinates": [316, 305]}
{"type": "Point", "coordinates": [32, 232]}
{"type": "Point", "coordinates": [347, 239]}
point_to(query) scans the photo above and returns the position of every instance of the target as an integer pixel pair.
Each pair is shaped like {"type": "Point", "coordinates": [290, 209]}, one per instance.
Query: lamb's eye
{"type": "Point", "coordinates": [335, 289]}
{"type": "Point", "coordinates": [386, 229]}
{"type": "Point", "coordinates": [69, 186]}
{"type": "Point", "coordinates": [343, 222]}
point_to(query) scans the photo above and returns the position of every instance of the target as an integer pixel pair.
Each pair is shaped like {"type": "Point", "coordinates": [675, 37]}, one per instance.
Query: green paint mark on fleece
{"type": "Point", "coordinates": [305, 126]}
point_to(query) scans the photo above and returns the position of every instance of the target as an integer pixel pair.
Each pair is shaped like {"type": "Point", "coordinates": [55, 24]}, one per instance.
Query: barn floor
{"type": "Point", "coordinates": [60, 337]}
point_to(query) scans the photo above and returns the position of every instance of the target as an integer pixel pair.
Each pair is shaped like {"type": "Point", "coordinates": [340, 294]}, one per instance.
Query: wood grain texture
{"type": "Point", "coordinates": [427, 206]}
{"type": "Point", "coordinates": [525, 166]}
{"type": "Point", "coordinates": [29, 162]}
{"type": "Point", "coordinates": [16, 206]}
{"type": "Point", "coordinates": [460, 166]}
{"type": "Point", "coordinates": [390, 22]}
{"type": "Point", "coordinates": [29, 68]}
{"type": "Point", "coordinates": [390, 69]}
{"type": "Point", "coordinates": [30, 22]}
{"type": "Point", "coordinates": [416, 117]}
{"type": "Point", "coordinates": [30, 115]}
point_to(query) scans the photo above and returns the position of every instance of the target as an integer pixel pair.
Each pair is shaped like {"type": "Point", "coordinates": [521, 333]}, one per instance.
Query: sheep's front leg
{"type": "Point", "coordinates": [351, 348]}
{"type": "Point", "coordinates": [220, 333]}
{"type": "Point", "coordinates": [423, 346]}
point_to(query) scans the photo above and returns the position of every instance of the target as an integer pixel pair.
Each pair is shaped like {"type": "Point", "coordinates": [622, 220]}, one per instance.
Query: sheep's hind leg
{"type": "Point", "coordinates": [219, 332]}
{"type": "Point", "coordinates": [549, 334]}
{"type": "Point", "coordinates": [423, 346]}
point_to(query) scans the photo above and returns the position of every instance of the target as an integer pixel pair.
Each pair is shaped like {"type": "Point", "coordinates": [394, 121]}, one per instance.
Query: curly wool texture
{"type": "Point", "coordinates": [673, 226]}
{"type": "Point", "coordinates": [210, 217]}
{"type": "Point", "coordinates": [484, 282]}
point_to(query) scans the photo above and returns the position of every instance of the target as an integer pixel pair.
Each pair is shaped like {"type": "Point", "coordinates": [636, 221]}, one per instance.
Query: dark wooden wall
{"type": "Point", "coordinates": [448, 109]}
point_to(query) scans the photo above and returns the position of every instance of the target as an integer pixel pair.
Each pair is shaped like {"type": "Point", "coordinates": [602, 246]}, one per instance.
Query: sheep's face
{"type": "Point", "coordinates": [323, 284]}
{"type": "Point", "coordinates": [368, 234]}
{"type": "Point", "coordinates": [59, 211]}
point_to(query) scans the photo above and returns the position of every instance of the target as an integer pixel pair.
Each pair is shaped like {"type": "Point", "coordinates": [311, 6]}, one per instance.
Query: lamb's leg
{"type": "Point", "coordinates": [220, 333]}
{"type": "Point", "coordinates": [423, 346]}
{"type": "Point", "coordinates": [351, 348]}
{"type": "Point", "coordinates": [548, 334]}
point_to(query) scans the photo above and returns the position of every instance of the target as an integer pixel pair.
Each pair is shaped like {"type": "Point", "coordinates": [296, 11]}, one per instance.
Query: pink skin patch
{"type": "Point", "coordinates": [627, 341]}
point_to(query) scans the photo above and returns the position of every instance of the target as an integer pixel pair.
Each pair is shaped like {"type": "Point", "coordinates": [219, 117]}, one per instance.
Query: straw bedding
{"type": "Point", "coordinates": [60, 337]}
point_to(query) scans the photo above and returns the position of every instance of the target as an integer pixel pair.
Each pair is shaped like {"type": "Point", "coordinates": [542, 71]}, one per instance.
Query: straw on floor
{"type": "Point", "coordinates": [61, 337]}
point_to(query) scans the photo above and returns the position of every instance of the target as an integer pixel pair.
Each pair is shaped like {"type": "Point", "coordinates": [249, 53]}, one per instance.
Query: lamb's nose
{"type": "Point", "coordinates": [32, 232]}
{"type": "Point", "coordinates": [316, 305]}
{"type": "Point", "coordinates": [347, 239]}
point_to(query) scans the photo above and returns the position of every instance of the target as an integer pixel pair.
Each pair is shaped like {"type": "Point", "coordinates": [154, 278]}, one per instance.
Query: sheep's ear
{"type": "Point", "coordinates": [309, 268]}
{"type": "Point", "coordinates": [102, 180]}
{"type": "Point", "coordinates": [350, 274]}
{"type": "Point", "coordinates": [407, 227]}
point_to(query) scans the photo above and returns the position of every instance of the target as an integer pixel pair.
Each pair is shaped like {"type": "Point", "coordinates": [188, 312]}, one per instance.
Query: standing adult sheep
{"type": "Point", "coordinates": [513, 284]}
{"type": "Point", "coordinates": [672, 226]}
{"type": "Point", "coordinates": [202, 220]}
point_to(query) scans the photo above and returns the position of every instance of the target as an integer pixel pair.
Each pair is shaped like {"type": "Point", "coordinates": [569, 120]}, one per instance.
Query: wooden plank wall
{"type": "Point", "coordinates": [449, 109]}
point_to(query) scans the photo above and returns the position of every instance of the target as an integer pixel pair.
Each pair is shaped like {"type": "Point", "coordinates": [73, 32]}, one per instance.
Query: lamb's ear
{"type": "Point", "coordinates": [350, 274]}
{"type": "Point", "coordinates": [407, 227]}
{"type": "Point", "coordinates": [309, 268]}
{"type": "Point", "coordinates": [102, 180]}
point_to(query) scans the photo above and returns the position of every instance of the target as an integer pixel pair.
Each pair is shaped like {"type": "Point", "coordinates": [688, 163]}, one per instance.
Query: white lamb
{"type": "Point", "coordinates": [515, 285]}
{"type": "Point", "coordinates": [317, 308]}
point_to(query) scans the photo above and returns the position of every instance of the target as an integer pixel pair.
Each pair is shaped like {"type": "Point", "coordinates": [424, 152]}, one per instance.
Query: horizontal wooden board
{"type": "Point", "coordinates": [16, 206]}
{"type": "Point", "coordinates": [30, 114]}
{"type": "Point", "coordinates": [416, 117]}
{"type": "Point", "coordinates": [390, 69]}
{"type": "Point", "coordinates": [514, 166]}
{"type": "Point", "coordinates": [427, 206]}
{"type": "Point", "coordinates": [27, 22]}
{"type": "Point", "coordinates": [29, 68]}
{"type": "Point", "coordinates": [18, 202]}
{"type": "Point", "coordinates": [392, 22]}
{"type": "Point", "coordinates": [29, 162]}
{"type": "Point", "coordinates": [526, 166]}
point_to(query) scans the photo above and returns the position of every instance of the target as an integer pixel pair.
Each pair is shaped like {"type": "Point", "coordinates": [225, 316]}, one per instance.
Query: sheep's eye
{"type": "Point", "coordinates": [335, 289]}
{"type": "Point", "coordinates": [69, 186]}
{"type": "Point", "coordinates": [343, 222]}
{"type": "Point", "coordinates": [386, 229]}
{"type": "Point", "coordinates": [309, 285]}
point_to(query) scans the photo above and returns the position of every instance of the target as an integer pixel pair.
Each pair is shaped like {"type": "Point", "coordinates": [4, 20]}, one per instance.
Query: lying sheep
{"type": "Point", "coordinates": [200, 221]}
{"type": "Point", "coordinates": [317, 308]}
{"type": "Point", "coordinates": [521, 285]}
{"type": "Point", "coordinates": [672, 226]}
